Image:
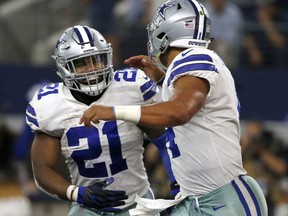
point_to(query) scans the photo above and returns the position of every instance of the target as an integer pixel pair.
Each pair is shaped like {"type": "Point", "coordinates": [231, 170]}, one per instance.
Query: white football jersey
{"type": "Point", "coordinates": [110, 148]}
{"type": "Point", "coordinates": [205, 152]}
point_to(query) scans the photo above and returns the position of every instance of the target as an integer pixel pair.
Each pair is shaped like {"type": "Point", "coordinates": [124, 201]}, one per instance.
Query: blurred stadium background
{"type": "Point", "coordinates": [29, 30]}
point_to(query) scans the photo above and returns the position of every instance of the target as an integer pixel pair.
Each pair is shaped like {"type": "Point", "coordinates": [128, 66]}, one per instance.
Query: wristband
{"type": "Point", "coordinates": [128, 113]}
{"type": "Point", "coordinates": [71, 192]}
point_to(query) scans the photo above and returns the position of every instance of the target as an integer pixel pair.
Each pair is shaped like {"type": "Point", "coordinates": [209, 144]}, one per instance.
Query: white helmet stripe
{"type": "Point", "coordinates": [83, 35]}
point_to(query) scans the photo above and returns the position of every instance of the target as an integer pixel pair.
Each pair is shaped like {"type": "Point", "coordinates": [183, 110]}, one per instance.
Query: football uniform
{"type": "Point", "coordinates": [110, 148]}
{"type": "Point", "coordinates": [205, 152]}
{"type": "Point", "coordinates": [210, 140]}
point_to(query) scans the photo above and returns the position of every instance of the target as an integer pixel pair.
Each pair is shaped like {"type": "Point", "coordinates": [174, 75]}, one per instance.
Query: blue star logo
{"type": "Point", "coordinates": [163, 8]}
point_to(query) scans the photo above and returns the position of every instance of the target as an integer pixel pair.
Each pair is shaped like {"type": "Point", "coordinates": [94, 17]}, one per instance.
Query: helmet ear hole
{"type": "Point", "coordinates": [179, 6]}
{"type": "Point", "coordinates": [161, 35]}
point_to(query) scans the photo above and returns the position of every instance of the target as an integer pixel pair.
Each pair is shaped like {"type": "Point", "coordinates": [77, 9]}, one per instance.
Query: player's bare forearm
{"type": "Point", "coordinates": [45, 156]}
{"type": "Point", "coordinates": [161, 115]}
{"type": "Point", "coordinates": [189, 97]}
{"type": "Point", "coordinates": [165, 114]}
{"type": "Point", "coordinates": [50, 181]}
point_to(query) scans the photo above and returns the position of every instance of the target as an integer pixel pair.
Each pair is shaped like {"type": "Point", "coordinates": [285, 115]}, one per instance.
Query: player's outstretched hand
{"type": "Point", "coordinates": [142, 62]}
{"type": "Point", "coordinates": [95, 113]}
{"type": "Point", "coordinates": [95, 196]}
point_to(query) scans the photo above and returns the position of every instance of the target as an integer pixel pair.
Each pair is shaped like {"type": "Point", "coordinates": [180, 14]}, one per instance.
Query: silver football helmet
{"type": "Point", "coordinates": [84, 60]}
{"type": "Point", "coordinates": [178, 23]}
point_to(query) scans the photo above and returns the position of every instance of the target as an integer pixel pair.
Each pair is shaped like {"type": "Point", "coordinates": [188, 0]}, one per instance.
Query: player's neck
{"type": "Point", "coordinates": [84, 98]}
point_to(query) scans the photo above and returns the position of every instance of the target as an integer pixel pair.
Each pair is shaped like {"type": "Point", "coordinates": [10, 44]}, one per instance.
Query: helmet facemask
{"type": "Point", "coordinates": [90, 74]}
{"type": "Point", "coordinates": [156, 46]}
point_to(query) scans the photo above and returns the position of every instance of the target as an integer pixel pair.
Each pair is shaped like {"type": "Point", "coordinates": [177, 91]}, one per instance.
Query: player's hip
{"type": "Point", "coordinates": [242, 196]}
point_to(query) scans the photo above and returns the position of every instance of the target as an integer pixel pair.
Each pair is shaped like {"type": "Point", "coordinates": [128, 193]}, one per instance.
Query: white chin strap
{"type": "Point", "coordinates": [93, 90]}
{"type": "Point", "coordinates": [162, 66]}
{"type": "Point", "coordinates": [186, 43]}
{"type": "Point", "coordinates": [189, 43]}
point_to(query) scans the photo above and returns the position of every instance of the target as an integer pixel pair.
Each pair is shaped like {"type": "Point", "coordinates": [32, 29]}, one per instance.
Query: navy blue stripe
{"type": "Point", "coordinates": [150, 93]}
{"type": "Point", "coordinates": [89, 36]}
{"type": "Point", "coordinates": [252, 195]}
{"type": "Point", "coordinates": [32, 120]}
{"type": "Point", "coordinates": [197, 19]}
{"type": "Point", "coordinates": [146, 85]}
{"type": "Point", "coordinates": [31, 110]}
{"type": "Point", "coordinates": [40, 94]}
{"type": "Point", "coordinates": [205, 23]}
{"type": "Point", "coordinates": [196, 57]}
{"type": "Point", "coordinates": [78, 35]}
{"type": "Point", "coordinates": [242, 199]}
{"type": "Point", "coordinates": [192, 67]}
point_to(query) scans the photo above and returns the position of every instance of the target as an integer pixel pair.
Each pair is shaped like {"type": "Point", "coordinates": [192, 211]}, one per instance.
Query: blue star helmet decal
{"type": "Point", "coordinates": [163, 8]}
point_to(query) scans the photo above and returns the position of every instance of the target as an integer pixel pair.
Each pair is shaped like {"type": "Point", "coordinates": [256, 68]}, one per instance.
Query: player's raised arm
{"type": "Point", "coordinates": [143, 62]}
{"type": "Point", "coordinates": [190, 96]}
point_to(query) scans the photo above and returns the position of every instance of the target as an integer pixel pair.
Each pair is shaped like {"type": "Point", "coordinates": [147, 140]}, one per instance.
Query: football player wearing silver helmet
{"type": "Point", "coordinates": [200, 110]}
{"type": "Point", "coordinates": [176, 25]}
{"type": "Point", "coordinates": [84, 60]}
{"type": "Point", "coordinates": [105, 161]}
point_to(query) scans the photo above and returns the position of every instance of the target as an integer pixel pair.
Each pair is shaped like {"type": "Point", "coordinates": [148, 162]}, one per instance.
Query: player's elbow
{"type": "Point", "coordinates": [183, 113]}
{"type": "Point", "coordinates": [181, 117]}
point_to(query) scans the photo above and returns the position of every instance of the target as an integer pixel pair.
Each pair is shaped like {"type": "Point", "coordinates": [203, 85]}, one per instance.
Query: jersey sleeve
{"type": "Point", "coordinates": [40, 110]}
{"type": "Point", "coordinates": [137, 86]}
{"type": "Point", "coordinates": [198, 64]}
{"type": "Point", "coordinates": [149, 89]}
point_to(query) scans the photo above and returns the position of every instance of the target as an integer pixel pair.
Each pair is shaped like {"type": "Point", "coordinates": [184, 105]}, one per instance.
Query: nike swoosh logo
{"type": "Point", "coordinates": [185, 53]}
{"type": "Point", "coordinates": [215, 208]}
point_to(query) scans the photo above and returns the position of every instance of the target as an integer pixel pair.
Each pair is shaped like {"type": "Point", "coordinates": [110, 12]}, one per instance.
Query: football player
{"type": "Point", "coordinates": [105, 161]}
{"type": "Point", "coordinates": [200, 109]}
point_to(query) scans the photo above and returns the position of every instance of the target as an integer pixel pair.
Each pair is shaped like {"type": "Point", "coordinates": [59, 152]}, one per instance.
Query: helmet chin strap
{"type": "Point", "coordinates": [190, 43]}
{"type": "Point", "coordinates": [162, 66]}
{"type": "Point", "coordinates": [185, 43]}
{"type": "Point", "coordinates": [157, 62]}
{"type": "Point", "coordinates": [92, 90]}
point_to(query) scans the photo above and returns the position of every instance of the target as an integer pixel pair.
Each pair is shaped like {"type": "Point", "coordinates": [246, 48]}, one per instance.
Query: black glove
{"type": "Point", "coordinates": [95, 196]}
{"type": "Point", "coordinates": [174, 189]}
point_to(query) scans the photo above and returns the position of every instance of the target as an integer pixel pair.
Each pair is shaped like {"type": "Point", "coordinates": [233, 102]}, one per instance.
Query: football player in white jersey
{"type": "Point", "coordinates": [104, 161]}
{"type": "Point", "coordinates": [200, 110]}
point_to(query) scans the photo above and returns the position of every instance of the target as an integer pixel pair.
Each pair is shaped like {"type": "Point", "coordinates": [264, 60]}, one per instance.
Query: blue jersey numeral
{"type": "Point", "coordinates": [94, 150]}
{"type": "Point", "coordinates": [51, 89]}
{"type": "Point", "coordinates": [173, 146]}
{"type": "Point", "coordinates": [118, 163]}
{"type": "Point", "coordinates": [127, 75]}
